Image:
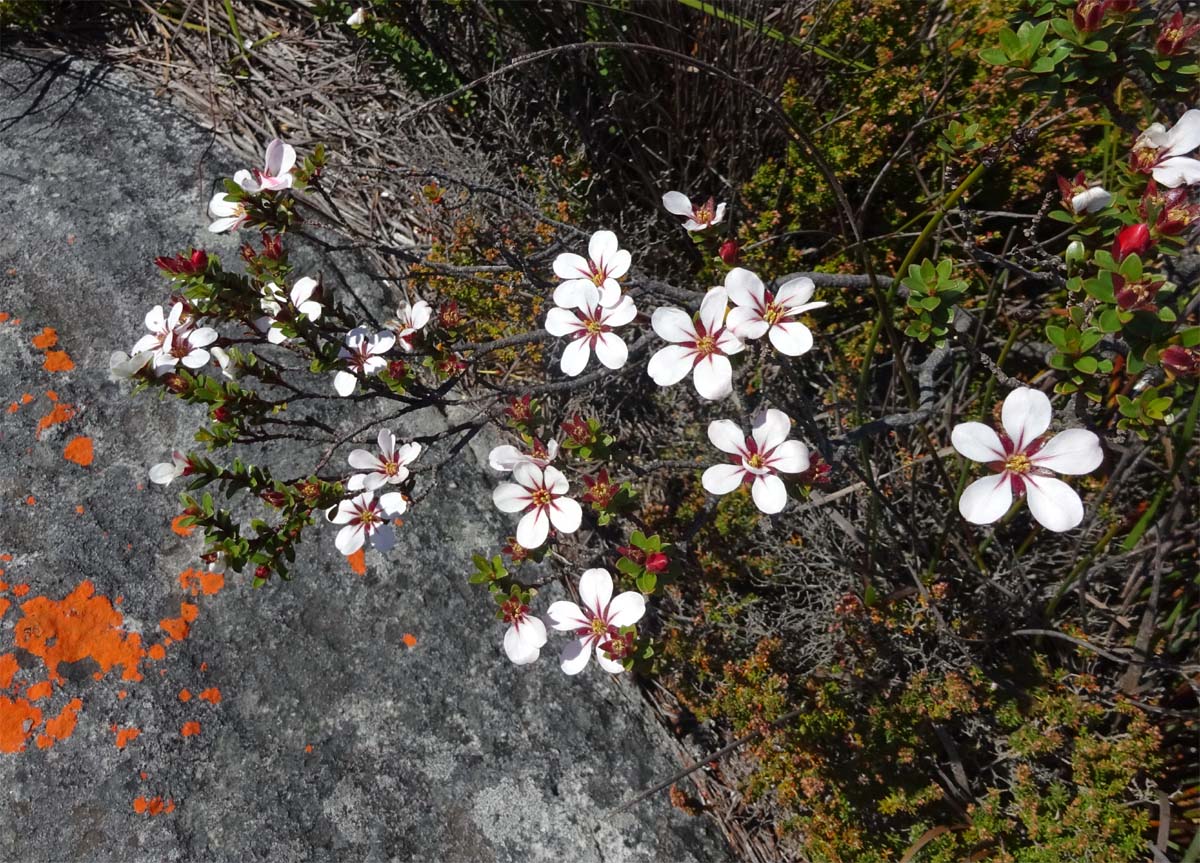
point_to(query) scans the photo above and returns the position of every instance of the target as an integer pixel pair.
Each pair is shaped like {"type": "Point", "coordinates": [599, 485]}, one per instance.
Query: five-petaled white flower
{"type": "Point", "coordinates": [540, 493]}
{"type": "Point", "coordinates": [597, 623]}
{"type": "Point", "coordinates": [186, 345]}
{"type": "Point", "coordinates": [165, 472]}
{"type": "Point", "coordinates": [228, 213]}
{"type": "Point", "coordinates": [606, 262]}
{"type": "Point", "coordinates": [757, 459]}
{"type": "Point", "coordinates": [409, 321]}
{"type": "Point", "coordinates": [277, 174]}
{"type": "Point", "coordinates": [704, 345]}
{"type": "Point", "coordinates": [389, 467]}
{"type": "Point", "coordinates": [697, 218]}
{"type": "Point", "coordinates": [280, 309]}
{"type": "Point", "coordinates": [758, 312]}
{"type": "Point", "coordinates": [526, 634]}
{"type": "Point", "coordinates": [506, 456]}
{"type": "Point", "coordinates": [366, 519]}
{"type": "Point", "coordinates": [122, 367]}
{"type": "Point", "coordinates": [362, 356]}
{"type": "Point", "coordinates": [1024, 461]}
{"type": "Point", "coordinates": [590, 326]}
{"type": "Point", "coordinates": [160, 326]}
{"type": "Point", "coordinates": [1163, 153]}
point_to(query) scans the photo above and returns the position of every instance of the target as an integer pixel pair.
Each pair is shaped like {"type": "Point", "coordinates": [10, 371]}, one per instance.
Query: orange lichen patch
{"type": "Point", "coordinates": [157, 652]}
{"type": "Point", "coordinates": [125, 736]}
{"type": "Point", "coordinates": [46, 339]}
{"type": "Point", "coordinates": [177, 627]}
{"type": "Point", "coordinates": [31, 500]}
{"type": "Point", "coordinates": [308, 748]}
{"type": "Point", "coordinates": [204, 666]}
{"type": "Point", "coordinates": [58, 361]}
{"type": "Point", "coordinates": [143, 775]}
{"type": "Point", "coordinates": [18, 718]}
{"type": "Point", "coordinates": [197, 581]}
{"type": "Point", "coordinates": [26, 398]}
{"type": "Point", "coordinates": [8, 669]}
{"type": "Point", "coordinates": [358, 562]}
{"type": "Point", "coordinates": [40, 690]}
{"type": "Point", "coordinates": [3, 317]}
{"type": "Point", "coordinates": [152, 805]}
{"type": "Point", "coordinates": [19, 590]}
{"type": "Point", "coordinates": [4, 604]}
{"type": "Point", "coordinates": [7, 558]}
{"type": "Point", "coordinates": [13, 408]}
{"type": "Point", "coordinates": [81, 626]}
{"type": "Point", "coordinates": [212, 695]}
{"type": "Point", "coordinates": [60, 413]}
{"type": "Point", "coordinates": [181, 529]}
{"type": "Point", "coordinates": [190, 729]}
{"type": "Point", "coordinates": [62, 726]}
{"type": "Point", "coordinates": [122, 694]}
{"type": "Point", "coordinates": [79, 451]}
{"type": "Point", "coordinates": [79, 509]}
{"type": "Point", "coordinates": [185, 696]}
{"type": "Point", "coordinates": [409, 639]}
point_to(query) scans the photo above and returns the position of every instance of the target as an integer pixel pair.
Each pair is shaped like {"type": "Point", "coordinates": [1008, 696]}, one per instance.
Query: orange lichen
{"type": "Point", "coordinates": [122, 694]}
{"type": "Point", "coordinates": [157, 652]}
{"type": "Point", "coordinates": [13, 408]}
{"type": "Point", "coordinates": [62, 726]}
{"type": "Point", "coordinates": [190, 729]}
{"type": "Point", "coordinates": [182, 530]}
{"type": "Point", "coordinates": [409, 639]}
{"type": "Point", "coordinates": [58, 361]}
{"type": "Point", "coordinates": [46, 339]}
{"type": "Point", "coordinates": [79, 450]}
{"type": "Point", "coordinates": [18, 718]}
{"type": "Point", "coordinates": [26, 398]}
{"type": "Point", "coordinates": [3, 317]}
{"type": "Point", "coordinates": [8, 669]}
{"type": "Point", "coordinates": [358, 562]}
{"type": "Point", "coordinates": [204, 666]}
{"type": "Point", "coordinates": [20, 590]}
{"type": "Point", "coordinates": [31, 500]}
{"type": "Point", "coordinates": [40, 690]}
{"type": "Point", "coordinates": [185, 695]}
{"type": "Point", "coordinates": [198, 581]}
{"type": "Point", "coordinates": [79, 509]}
{"type": "Point", "coordinates": [125, 736]}
{"type": "Point", "coordinates": [308, 748]}
{"type": "Point", "coordinates": [60, 413]}
{"type": "Point", "coordinates": [4, 604]}
{"type": "Point", "coordinates": [212, 695]}
{"type": "Point", "coordinates": [177, 627]}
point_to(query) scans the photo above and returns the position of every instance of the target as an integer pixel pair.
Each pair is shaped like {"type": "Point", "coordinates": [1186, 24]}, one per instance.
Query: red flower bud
{"type": "Point", "coordinates": [272, 246]}
{"type": "Point", "coordinates": [396, 369]}
{"type": "Point", "coordinates": [1180, 361]}
{"type": "Point", "coordinates": [221, 414]}
{"type": "Point", "coordinates": [190, 264]}
{"type": "Point", "coordinates": [633, 553]}
{"type": "Point", "coordinates": [262, 571]}
{"type": "Point", "coordinates": [274, 498]}
{"type": "Point", "coordinates": [1131, 240]}
{"type": "Point", "coordinates": [729, 253]}
{"type": "Point", "coordinates": [656, 561]}
{"type": "Point", "coordinates": [1121, 7]}
{"type": "Point", "coordinates": [1089, 15]}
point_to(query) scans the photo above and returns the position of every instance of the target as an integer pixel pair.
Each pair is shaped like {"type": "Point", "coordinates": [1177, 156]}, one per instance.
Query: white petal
{"type": "Point", "coordinates": [562, 322]}
{"type": "Point", "coordinates": [393, 504]}
{"type": "Point", "coordinates": [618, 265]}
{"type": "Point", "coordinates": [408, 453]}
{"type": "Point", "coordinates": [1025, 416]}
{"type": "Point", "coordinates": [364, 460]}
{"type": "Point", "coordinates": [720, 214]}
{"type": "Point", "coordinates": [530, 475]}
{"type": "Point", "coordinates": [344, 383]}
{"type": "Point", "coordinates": [196, 359]}
{"type": "Point", "coordinates": [670, 365]}
{"type": "Point", "coordinates": [510, 497]}
{"type": "Point", "coordinates": [795, 292]}
{"type": "Point", "coordinates": [677, 203]}
{"type": "Point", "coordinates": [602, 246]}
{"type": "Point", "coordinates": [1073, 452]}
{"type": "Point", "coordinates": [611, 351]}
{"type": "Point", "coordinates": [712, 309]}
{"type": "Point", "coordinates": [1052, 502]}
{"type": "Point", "coordinates": [1177, 171]}
{"type": "Point", "coordinates": [357, 482]}
{"type": "Point", "coordinates": [575, 655]}
{"type": "Point", "coordinates": [595, 589]}
{"type": "Point", "coordinates": [609, 293]}
{"type": "Point", "coordinates": [566, 616]}
{"type": "Point", "coordinates": [607, 662]}
{"type": "Point", "coordinates": [224, 224]}
{"type": "Point", "coordinates": [572, 266]}
{"type": "Point", "coordinates": [713, 377]}
{"type": "Point", "coordinates": [619, 314]}
{"type": "Point", "coordinates": [791, 338]}
{"type": "Point", "coordinates": [577, 294]}
{"type": "Point", "coordinates": [770, 428]}
{"type": "Point", "coordinates": [381, 343]}
{"type": "Point", "coordinates": [575, 357]}
{"type": "Point", "coordinates": [505, 458]}
{"type": "Point", "coordinates": [517, 650]}
{"type": "Point", "coordinates": [350, 539]}
{"type": "Point", "coordinates": [727, 436]}
{"type": "Point", "coordinates": [769, 493]}
{"type": "Point", "coordinates": [220, 205]}
{"type": "Point", "coordinates": [554, 480]}
{"type": "Point", "coordinates": [722, 478]}
{"type": "Point", "coordinates": [978, 442]}
{"type": "Point", "coordinates": [1184, 135]}
{"type": "Point", "coordinates": [626, 609]}
{"type": "Point", "coordinates": [745, 289]}
{"type": "Point", "coordinates": [728, 343]}
{"type": "Point", "coordinates": [746, 322]}
{"type": "Point", "coordinates": [163, 473]}
{"type": "Point", "coordinates": [565, 515]}
{"type": "Point", "coordinates": [533, 528]}
{"type": "Point", "coordinates": [1091, 200]}
{"type": "Point", "coordinates": [673, 325]}
{"type": "Point", "coordinates": [987, 499]}
{"type": "Point", "coordinates": [532, 631]}
{"type": "Point", "coordinates": [373, 481]}
{"type": "Point", "coordinates": [344, 512]}
{"type": "Point", "coordinates": [791, 456]}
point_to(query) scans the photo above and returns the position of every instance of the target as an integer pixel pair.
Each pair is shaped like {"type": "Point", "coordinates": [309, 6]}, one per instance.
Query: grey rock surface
{"type": "Point", "coordinates": [332, 738]}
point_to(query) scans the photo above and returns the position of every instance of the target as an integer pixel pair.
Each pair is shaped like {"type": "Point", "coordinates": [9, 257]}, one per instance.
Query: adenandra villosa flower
{"type": "Point", "coordinates": [409, 321]}
{"type": "Point", "coordinates": [701, 346]}
{"type": "Point", "coordinates": [757, 459]}
{"type": "Point", "coordinates": [526, 634]}
{"type": "Point", "coordinates": [388, 468]}
{"type": "Point", "coordinates": [696, 218]}
{"type": "Point", "coordinates": [227, 213]}
{"type": "Point", "coordinates": [280, 309]}
{"type": "Point", "coordinates": [541, 494]}
{"type": "Point", "coordinates": [164, 473]}
{"type": "Point", "coordinates": [596, 623]}
{"type": "Point", "coordinates": [362, 354]}
{"type": "Point", "coordinates": [276, 175]}
{"type": "Point", "coordinates": [590, 327]}
{"type": "Point", "coordinates": [758, 312]}
{"type": "Point", "coordinates": [123, 367]}
{"type": "Point", "coordinates": [160, 326]}
{"type": "Point", "coordinates": [365, 519]}
{"type": "Point", "coordinates": [1024, 461]}
{"type": "Point", "coordinates": [606, 262]}
{"type": "Point", "coordinates": [1163, 153]}
{"type": "Point", "coordinates": [506, 457]}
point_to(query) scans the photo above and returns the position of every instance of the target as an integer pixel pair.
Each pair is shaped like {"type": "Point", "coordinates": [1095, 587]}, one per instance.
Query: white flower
{"type": "Point", "coordinates": [1024, 463]}
{"type": "Point", "coordinates": [758, 312]}
{"type": "Point", "coordinates": [540, 493]}
{"type": "Point", "coordinates": [606, 262]}
{"type": "Point", "coordinates": [362, 356]}
{"type": "Point", "coordinates": [506, 457]}
{"type": "Point", "coordinates": [698, 218]}
{"type": "Point", "coordinates": [409, 321]}
{"type": "Point", "coordinates": [160, 327]}
{"type": "Point", "coordinates": [229, 214]}
{"type": "Point", "coordinates": [357, 17]}
{"type": "Point", "coordinates": [1091, 200]}
{"type": "Point", "coordinates": [758, 459]}
{"type": "Point", "coordinates": [703, 345]}
{"type": "Point", "coordinates": [525, 636]}
{"type": "Point", "coordinates": [389, 467]}
{"type": "Point", "coordinates": [1162, 153]}
{"type": "Point", "coordinates": [165, 472]}
{"type": "Point", "coordinates": [597, 623]}
{"type": "Point", "coordinates": [185, 345]}
{"type": "Point", "coordinates": [366, 519]}
{"type": "Point", "coordinates": [225, 363]}
{"type": "Point", "coordinates": [122, 367]}
{"type": "Point", "coordinates": [590, 326]}
{"type": "Point", "coordinates": [279, 308]}
{"type": "Point", "coordinates": [276, 176]}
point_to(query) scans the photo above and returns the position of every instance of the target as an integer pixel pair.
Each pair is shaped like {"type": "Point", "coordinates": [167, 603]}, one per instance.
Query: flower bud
{"type": "Point", "coordinates": [221, 414]}
{"type": "Point", "coordinates": [1180, 362]}
{"type": "Point", "coordinates": [396, 369]}
{"type": "Point", "coordinates": [656, 561]}
{"type": "Point", "coordinates": [1076, 253]}
{"type": "Point", "coordinates": [730, 252]}
{"type": "Point", "coordinates": [1132, 240]}
{"type": "Point", "coordinates": [274, 498]}
{"type": "Point", "coordinates": [1089, 15]}
{"type": "Point", "coordinates": [262, 571]}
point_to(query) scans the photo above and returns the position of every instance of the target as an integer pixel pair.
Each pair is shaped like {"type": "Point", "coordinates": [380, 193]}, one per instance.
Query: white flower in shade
{"type": "Point", "coordinates": [526, 634]}
{"type": "Point", "coordinates": [362, 354]}
{"type": "Point", "coordinates": [279, 308]}
{"type": "Point", "coordinates": [697, 218]}
{"type": "Point", "coordinates": [225, 362]}
{"type": "Point", "coordinates": [160, 326]}
{"type": "Point", "coordinates": [540, 494]}
{"type": "Point", "coordinates": [357, 18]}
{"type": "Point", "coordinates": [596, 623]}
{"type": "Point", "coordinates": [758, 312]}
{"type": "Point", "coordinates": [185, 345]}
{"type": "Point", "coordinates": [606, 262]}
{"type": "Point", "coordinates": [367, 520]}
{"type": "Point", "coordinates": [506, 457]}
{"type": "Point", "coordinates": [1024, 461]}
{"type": "Point", "coordinates": [590, 328]}
{"type": "Point", "coordinates": [389, 467]}
{"type": "Point", "coordinates": [276, 176]}
{"type": "Point", "coordinates": [701, 346]}
{"type": "Point", "coordinates": [409, 321]}
{"type": "Point", "coordinates": [165, 472]}
{"type": "Point", "coordinates": [228, 214]}
{"type": "Point", "coordinates": [1163, 153]}
{"type": "Point", "coordinates": [122, 367]}
{"type": "Point", "coordinates": [1091, 200]}
{"type": "Point", "coordinates": [757, 459]}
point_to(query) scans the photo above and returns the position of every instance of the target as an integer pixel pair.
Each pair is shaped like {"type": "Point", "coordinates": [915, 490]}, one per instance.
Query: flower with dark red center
{"type": "Point", "coordinates": [1163, 153]}
{"type": "Point", "coordinates": [594, 276]}
{"type": "Point", "coordinates": [365, 519]}
{"type": "Point", "coordinates": [179, 465]}
{"type": "Point", "coordinates": [541, 494]}
{"type": "Point", "coordinates": [633, 553]}
{"type": "Point", "coordinates": [396, 369]}
{"type": "Point", "coordinates": [1172, 212]}
{"type": "Point", "coordinates": [1173, 38]}
{"type": "Point", "coordinates": [272, 246]}
{"type": "Point", "coordinates": [1180, 361]}
{"type": "Point", "coordinates": [701, 345]}
{"type": "Point", "coordinates": [590, 327]}
{"type": "Point", "coordinates": [758, 312]}
{"type": "Point", "coordinates": [757, 459]}
{"type": "Point", "coordinates": [600, 490]}
{"type": "Point", "coordinates": [1135, 295]}
{"type": "Point", "coordinates": [696, 217]}
{"type": "Point", "coordinates": [520, 410]}
{"type": "Point", "coordinates": [389, 467]}
{"type": "Point", "coordinates": [818, 472]}
{"type": "Point", "coordinates": [1131, 240]}
{"type": "Point", "coordinates": [596, 623]}
{"type": "Point", "coordinates": [526, 633]}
